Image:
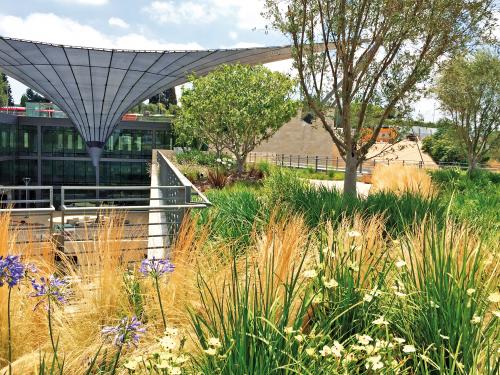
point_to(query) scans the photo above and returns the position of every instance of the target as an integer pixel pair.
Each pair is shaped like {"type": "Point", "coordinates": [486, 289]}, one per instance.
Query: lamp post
{"type": "Point", "coordinates": [26, 181]}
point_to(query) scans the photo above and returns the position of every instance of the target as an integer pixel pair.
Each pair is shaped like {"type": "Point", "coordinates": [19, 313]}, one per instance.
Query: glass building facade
{"type": "Point", "coordinates": [50, 152]}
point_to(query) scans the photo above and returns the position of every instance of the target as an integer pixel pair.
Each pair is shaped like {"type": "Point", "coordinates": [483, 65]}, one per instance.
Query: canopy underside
{"type": "Point", "coordinates": [96, 87]}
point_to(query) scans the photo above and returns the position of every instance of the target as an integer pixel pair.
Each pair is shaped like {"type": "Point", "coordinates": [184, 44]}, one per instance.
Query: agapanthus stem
{"type": "Point", "coordinates": [49, 318]}
{"type": "Point", "coordinates": [117, 357]}
{"type": "Point", "coordinates": [8, 332]}
{"type": "Point", "coordinates": [161, 305]}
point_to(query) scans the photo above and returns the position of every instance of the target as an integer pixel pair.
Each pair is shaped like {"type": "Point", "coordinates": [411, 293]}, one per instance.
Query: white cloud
{"type": "Point", "coordinates": [85, 2]}
{"type": "Point", "coordinates": [233, 35]}
{"type": "Point", "coordinates": [48, 27]}
{"type": "Point", "coordinates": [244, 45]}
{"type": "Point", "coordinates": [137, 41]}
{"type": "Point", "coordinates": [118, 22]}
{"type": "Point", "coordinates": [166, 12]}
{"type": "Point", "coordinates": [246, 14]}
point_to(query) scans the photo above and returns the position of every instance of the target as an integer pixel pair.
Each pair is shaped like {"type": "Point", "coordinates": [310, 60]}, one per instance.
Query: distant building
{"type": "Point", "coordinates": [387, 135]}
{"type": "Point", "coordinates": [297, 137]}
{"type": "Point", "coordinates": [50, 151]}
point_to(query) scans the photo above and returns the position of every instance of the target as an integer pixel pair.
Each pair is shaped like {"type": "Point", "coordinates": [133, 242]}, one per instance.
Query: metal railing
{"type": "Point", "coordinates": [150, 216]}
{"type": "Point", "coordinates": [325, 163]}
{"type": "Point", "coordinates": [169, 203]}
{"type": "Point", "coordinates": [31, 218]}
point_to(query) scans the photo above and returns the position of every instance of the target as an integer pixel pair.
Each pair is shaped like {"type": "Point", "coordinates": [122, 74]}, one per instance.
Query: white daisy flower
{"type": "Point", "coordinates": [409, 349]}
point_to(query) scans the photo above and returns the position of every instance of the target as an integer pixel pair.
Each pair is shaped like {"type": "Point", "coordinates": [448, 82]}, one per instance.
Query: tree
{"type": "Point", "coordinates": [371, 52]}
{"type": "Point", "coordinates": [149, 109]}
{"type": "Point", "coordinates": [235, 108]}
{"type": "Point", "coordinates": [34, 97]}
{"type": "Point", "coordinates": [167, 98]}
{"type": "Point", "coordinates": [469, 92]}
{"type": "Point", "coordinates": [442, 145]}
{"type": "Point", "coordinates": [6, 91]}
{"type": "Point", "coordinates": [23, 100]}
{"type": "Point", "coordinates": [4, 99]}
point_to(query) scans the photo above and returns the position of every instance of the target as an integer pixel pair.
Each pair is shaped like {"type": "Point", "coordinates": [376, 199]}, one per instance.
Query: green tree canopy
{"type": "Point", "coordinates": [371, 52]}
{"type": "Point", "coordinates": [5, 91]}
{"type": "Point", "coordinates": [149, 109]}
{"type": "Point", "coordinates": [166, 97]}
{"type": "Point", "coordinates": [442, 145]}
{"type": "Point", "coordinates": [469, 92]}
{"type": "Point", "coordinates": [32, 97]}
{"type": "Point", "coordinates": [235, 108]}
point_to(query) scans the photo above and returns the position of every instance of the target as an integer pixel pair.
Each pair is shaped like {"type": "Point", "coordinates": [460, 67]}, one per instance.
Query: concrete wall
{"type": "Point", "coordinates": [298, 138]}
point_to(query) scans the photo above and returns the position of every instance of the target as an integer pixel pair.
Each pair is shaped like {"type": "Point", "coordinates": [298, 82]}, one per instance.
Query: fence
{"type": "Point", "coordinates": [325, 163]}
{"type": "Point", "coordinates": [32, 218]}
{"type": "Point", "coordinates": [150, 215]}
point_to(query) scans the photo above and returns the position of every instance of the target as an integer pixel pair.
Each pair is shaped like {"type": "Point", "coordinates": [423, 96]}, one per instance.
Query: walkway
{"type": "Point", "coordinates": [362, 188]}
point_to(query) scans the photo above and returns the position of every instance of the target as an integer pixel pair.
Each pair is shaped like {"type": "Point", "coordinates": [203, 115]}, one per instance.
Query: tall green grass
{"type": "Point", "coordinates": [447, 280]}
{"type": "Point", "coordinates": [242, 322]}
{"type": "Point", "coordinates": [235, 214]}
{"type": "Point", "coordinates": [474, 198]}
{"type": "Point", "coordinates": [239, 210]}
{"type": "Point", "coordinates": [359, 295]}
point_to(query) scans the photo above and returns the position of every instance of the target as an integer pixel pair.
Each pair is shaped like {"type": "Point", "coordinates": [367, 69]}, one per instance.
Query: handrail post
{"type": "Point", "coordinates": [63, 205]}
{"type": "Point", "coordinates": [326, 164]}
{"type": "Point", "coordinates": [187, 194]}
{"type": "Point", "coordinates": [316, 164]}
{"type": "Point", "coordinates": [51, 199]}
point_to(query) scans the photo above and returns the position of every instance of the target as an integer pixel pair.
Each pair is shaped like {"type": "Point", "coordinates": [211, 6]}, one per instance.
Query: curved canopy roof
{"type": "Point", "coordinates": [95, 87]}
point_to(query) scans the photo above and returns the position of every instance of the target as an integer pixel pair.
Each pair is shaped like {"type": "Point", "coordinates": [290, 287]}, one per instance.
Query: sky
{"type": "Point", "coordinates": [150, 25]}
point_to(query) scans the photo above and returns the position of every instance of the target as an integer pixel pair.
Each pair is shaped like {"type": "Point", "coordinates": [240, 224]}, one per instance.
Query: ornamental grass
{"type": "Point", "coordinates": [340, 294]}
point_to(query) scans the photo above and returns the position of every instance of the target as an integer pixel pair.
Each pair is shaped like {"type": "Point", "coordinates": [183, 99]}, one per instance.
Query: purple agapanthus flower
{"type": "Point", "coordinates": [128, 331]}
{"type": "Point", "coordinates": [54, 288]}
{"type": "Point", "coordinates": [11, 270]}
{"type": "Point", "coordinates": [156, 267]}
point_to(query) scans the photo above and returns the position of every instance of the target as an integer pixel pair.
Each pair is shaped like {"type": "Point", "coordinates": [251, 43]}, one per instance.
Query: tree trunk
{"type": "Point", "coordinates": [240, 164]}
{"type": "Point", "coordinates": [351, 165]}
{"type": "Point", "coordinates": [472, 165]}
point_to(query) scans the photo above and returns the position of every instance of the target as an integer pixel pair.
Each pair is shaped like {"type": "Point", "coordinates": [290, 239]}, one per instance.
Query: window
{"type": "Point", "coordinates": [27, 140]}
{"type": "Point", "coordinates": [164, 140]}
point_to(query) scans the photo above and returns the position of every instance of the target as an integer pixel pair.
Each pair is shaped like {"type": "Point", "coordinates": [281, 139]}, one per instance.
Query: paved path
{"type": "Point", "coordinates": [362, 188]}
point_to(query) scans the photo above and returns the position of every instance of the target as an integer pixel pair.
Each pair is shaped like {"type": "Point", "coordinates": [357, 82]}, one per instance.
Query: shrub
{"type": "Point", "coordinates": [264, 167]}
{"type": "Point", "coordinates": [194, 173]}
{"type": "Point", "coordinates": [280, 186]}
{"type": "Point", "coordinates": [443, 147]}
{"type": "Point", "coordinates": [204, 158]}
{"type": "Point", "coordinates": [217, 177]}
